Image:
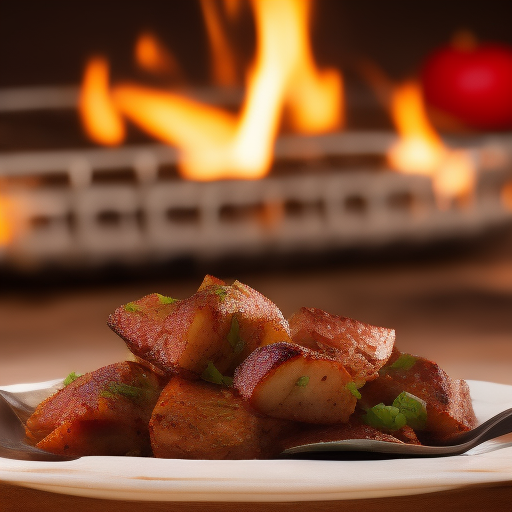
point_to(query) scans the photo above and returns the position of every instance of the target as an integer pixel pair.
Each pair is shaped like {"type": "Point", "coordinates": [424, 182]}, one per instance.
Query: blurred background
{"type": "Point", "coordinates": [350, 156]}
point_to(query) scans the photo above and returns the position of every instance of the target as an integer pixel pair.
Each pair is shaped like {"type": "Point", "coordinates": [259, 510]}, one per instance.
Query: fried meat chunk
{"type": "Point", "coordinates": [362, 348]}
{"type": "Point", "coordinates": [105, 412]}
{"type": "Point", "coordinates": [448, 402]}
{"type": "Point", "coordinates": [220, 324]}
{"type": "Point", "coordinates": [200, 420]}
{"type": "Point", "coordinates": [284, 380]}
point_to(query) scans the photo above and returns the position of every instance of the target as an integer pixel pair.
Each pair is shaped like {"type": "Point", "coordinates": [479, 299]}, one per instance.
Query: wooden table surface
{"type": "Point", "coordinates": [457, 312]}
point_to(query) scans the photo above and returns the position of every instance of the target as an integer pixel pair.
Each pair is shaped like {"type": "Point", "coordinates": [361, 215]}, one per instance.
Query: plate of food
{"type": "Point", "coordinates": [220, 393]}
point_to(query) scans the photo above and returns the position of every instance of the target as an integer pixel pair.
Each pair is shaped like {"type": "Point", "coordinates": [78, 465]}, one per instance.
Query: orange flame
{"type": "Point", "coordinates": [223, 60]}
{"type": "Point", "coordinates": [151, 55]}
{"type": "Point", "coordinates": [100, 119]}
{"type": "Point", "coordinates": [315, 100]}
{"type": "Point", "coordinates": [6, 224]}
{"type": "Point", "coordinates": [214, 143]}
{"type": "Point", "coordinates": [420, 150]}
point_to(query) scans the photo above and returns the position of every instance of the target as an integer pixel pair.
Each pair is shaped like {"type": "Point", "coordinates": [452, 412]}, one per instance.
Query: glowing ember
{"type": "Point", "coordinates": [421, 151]}
{"type": "Point", "coordinates": [216, 144]}
{"type": "Point", "coordinates": [101, 120]}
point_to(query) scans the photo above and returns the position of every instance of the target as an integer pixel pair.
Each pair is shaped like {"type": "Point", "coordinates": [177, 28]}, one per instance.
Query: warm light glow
{"type": "Point", "coordinates": [151, 55]}
{"type": "Point", "coordinates": [215, 144]}
{"type": "Point", "coordinates": [222, 55]}
{"type": "Point", "coordinates": [315, 98]}
{"type": "Point", "coordinates": [232, 8]}
{"type": "Point", "coordinates": [100, 118]}
{"type": "Point", "coordinates": [420, 150]}
{"type": "Point", "coordinates": [506, 195]}
{"type": "Point", "coordinates": [173, 118]}
{"type": "Point", "coordinates": [6, 223]}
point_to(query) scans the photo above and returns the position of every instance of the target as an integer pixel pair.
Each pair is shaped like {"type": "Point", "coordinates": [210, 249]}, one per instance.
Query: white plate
{"type": "Point", "coordinates": [129, 478]}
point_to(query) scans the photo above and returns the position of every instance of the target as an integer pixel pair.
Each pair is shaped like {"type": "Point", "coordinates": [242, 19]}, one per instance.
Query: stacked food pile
{"type": "Point", "coordinates": [223, 375]}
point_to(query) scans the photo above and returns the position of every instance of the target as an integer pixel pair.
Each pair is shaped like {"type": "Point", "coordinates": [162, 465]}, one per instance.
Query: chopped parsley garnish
{"type": "Point", "coordinates": [115, 389]}
{"type": "Point", "coordinates": [413, 408]}
{"type": "Point", "coordinates": [221, 292]}
{"type": "Point", "coordinates": [385, 416]}
{"type": "Point", "coordinates": [211, 374]}
{"type": "Point", "coordinates": [407, 409]}
{"type": "Point", "coordinates": [302, 382]}
{"type": "Point", "coordinates": [351, 386]}
{"type": "Point", "coordinates": [131, 307]}
{"type": "Point", "coordinates": [404, 362]}
{"type": "Point", "coordinates": [71, 378]}
{"type": "Point", "coordinates": [237, 344]}
{"type": "Point", "coordinates": [166, 300]}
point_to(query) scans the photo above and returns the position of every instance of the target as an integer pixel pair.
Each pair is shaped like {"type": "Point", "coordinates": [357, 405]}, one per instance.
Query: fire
{"type": "Point", "coordinates": [420, 150]}
{"type": "Point", "coordinates": [223, 60]}
{"type": "Point", "coordinates": [214, 143]}
{"type": "Point", "coordinates": [151, 55]}
{"type": "Point", "coordinates": [315, 101]}
{"type": "Point", "coordinates": [6, 224]}
{"type": "Point", "coordinates": [100, 119]}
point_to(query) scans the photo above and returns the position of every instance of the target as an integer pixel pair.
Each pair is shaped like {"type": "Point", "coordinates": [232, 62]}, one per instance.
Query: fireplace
{"type": "Point", "coordinates": [134, 198]}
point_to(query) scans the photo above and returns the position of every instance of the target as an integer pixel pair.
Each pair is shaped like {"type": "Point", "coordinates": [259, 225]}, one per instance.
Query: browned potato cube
{"type": "Point", "coordinates": [219, 324]}
{"type": "Point", "coordinates": [362, 348]}
{"type": "Point", "coordinates": [448, 402]}
{"type": "Point", "coordinates": [105, 412]}
{"type": "Point", "coordinates": [284, 380]}
{"type": "Point", "coordinates": [199, 420]}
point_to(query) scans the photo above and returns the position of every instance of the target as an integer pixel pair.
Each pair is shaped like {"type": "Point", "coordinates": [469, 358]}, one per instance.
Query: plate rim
{"type": "Point", "coordinates": [262, 480]}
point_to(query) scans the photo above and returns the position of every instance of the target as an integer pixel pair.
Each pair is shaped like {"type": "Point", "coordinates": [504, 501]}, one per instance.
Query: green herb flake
{"type": "Point", "coordinates": [237, 344]}
{"type": "Point", "coordinates": [131, 307]}
{"type": "Point", "coordinates": [302, 382]}
{"type": "Point", "coordinates": [211, 374]}
{"type": "Point", "coordinates": [166, 300]}
{"type": "Point", "coordinates": [71, 378]}
{"type": "Point", "coordinates": [404, 362]}
{"type": "Point", "coordinates": [115, 389]}
{"type": "Point", "coordinates": [227, 381]}
{"type": "Point", "coordinates": [413, 408]}
{"type": "Point", "coordinates": [385, 416]}
{"type": "Point", "coordinates": [352, 387]}
{"type": "Point", "coordinates": [221, 292]}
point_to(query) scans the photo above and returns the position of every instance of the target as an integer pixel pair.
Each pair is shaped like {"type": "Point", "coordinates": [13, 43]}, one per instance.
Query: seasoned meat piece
{"type": "Point", "coordinates": [362, 348]}
{"type": "Point", "coordinates": [448, 402]}
{"type": "Point", "coordinates": [105, 412]}
{"type": "Point", "coordinates": [284, 380]}
{"type": "Point", "coordinates": [199, 420]}
{"type": "Point", "coordinates": [220, 324]}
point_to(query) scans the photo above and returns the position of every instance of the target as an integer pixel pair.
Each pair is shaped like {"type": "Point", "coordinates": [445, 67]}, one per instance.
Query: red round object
{"type": "Point", "coordinates": [474, 85]}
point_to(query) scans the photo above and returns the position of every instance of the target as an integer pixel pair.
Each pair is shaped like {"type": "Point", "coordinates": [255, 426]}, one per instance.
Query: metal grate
{"type": "Point", "coordinates": [90, 206]}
